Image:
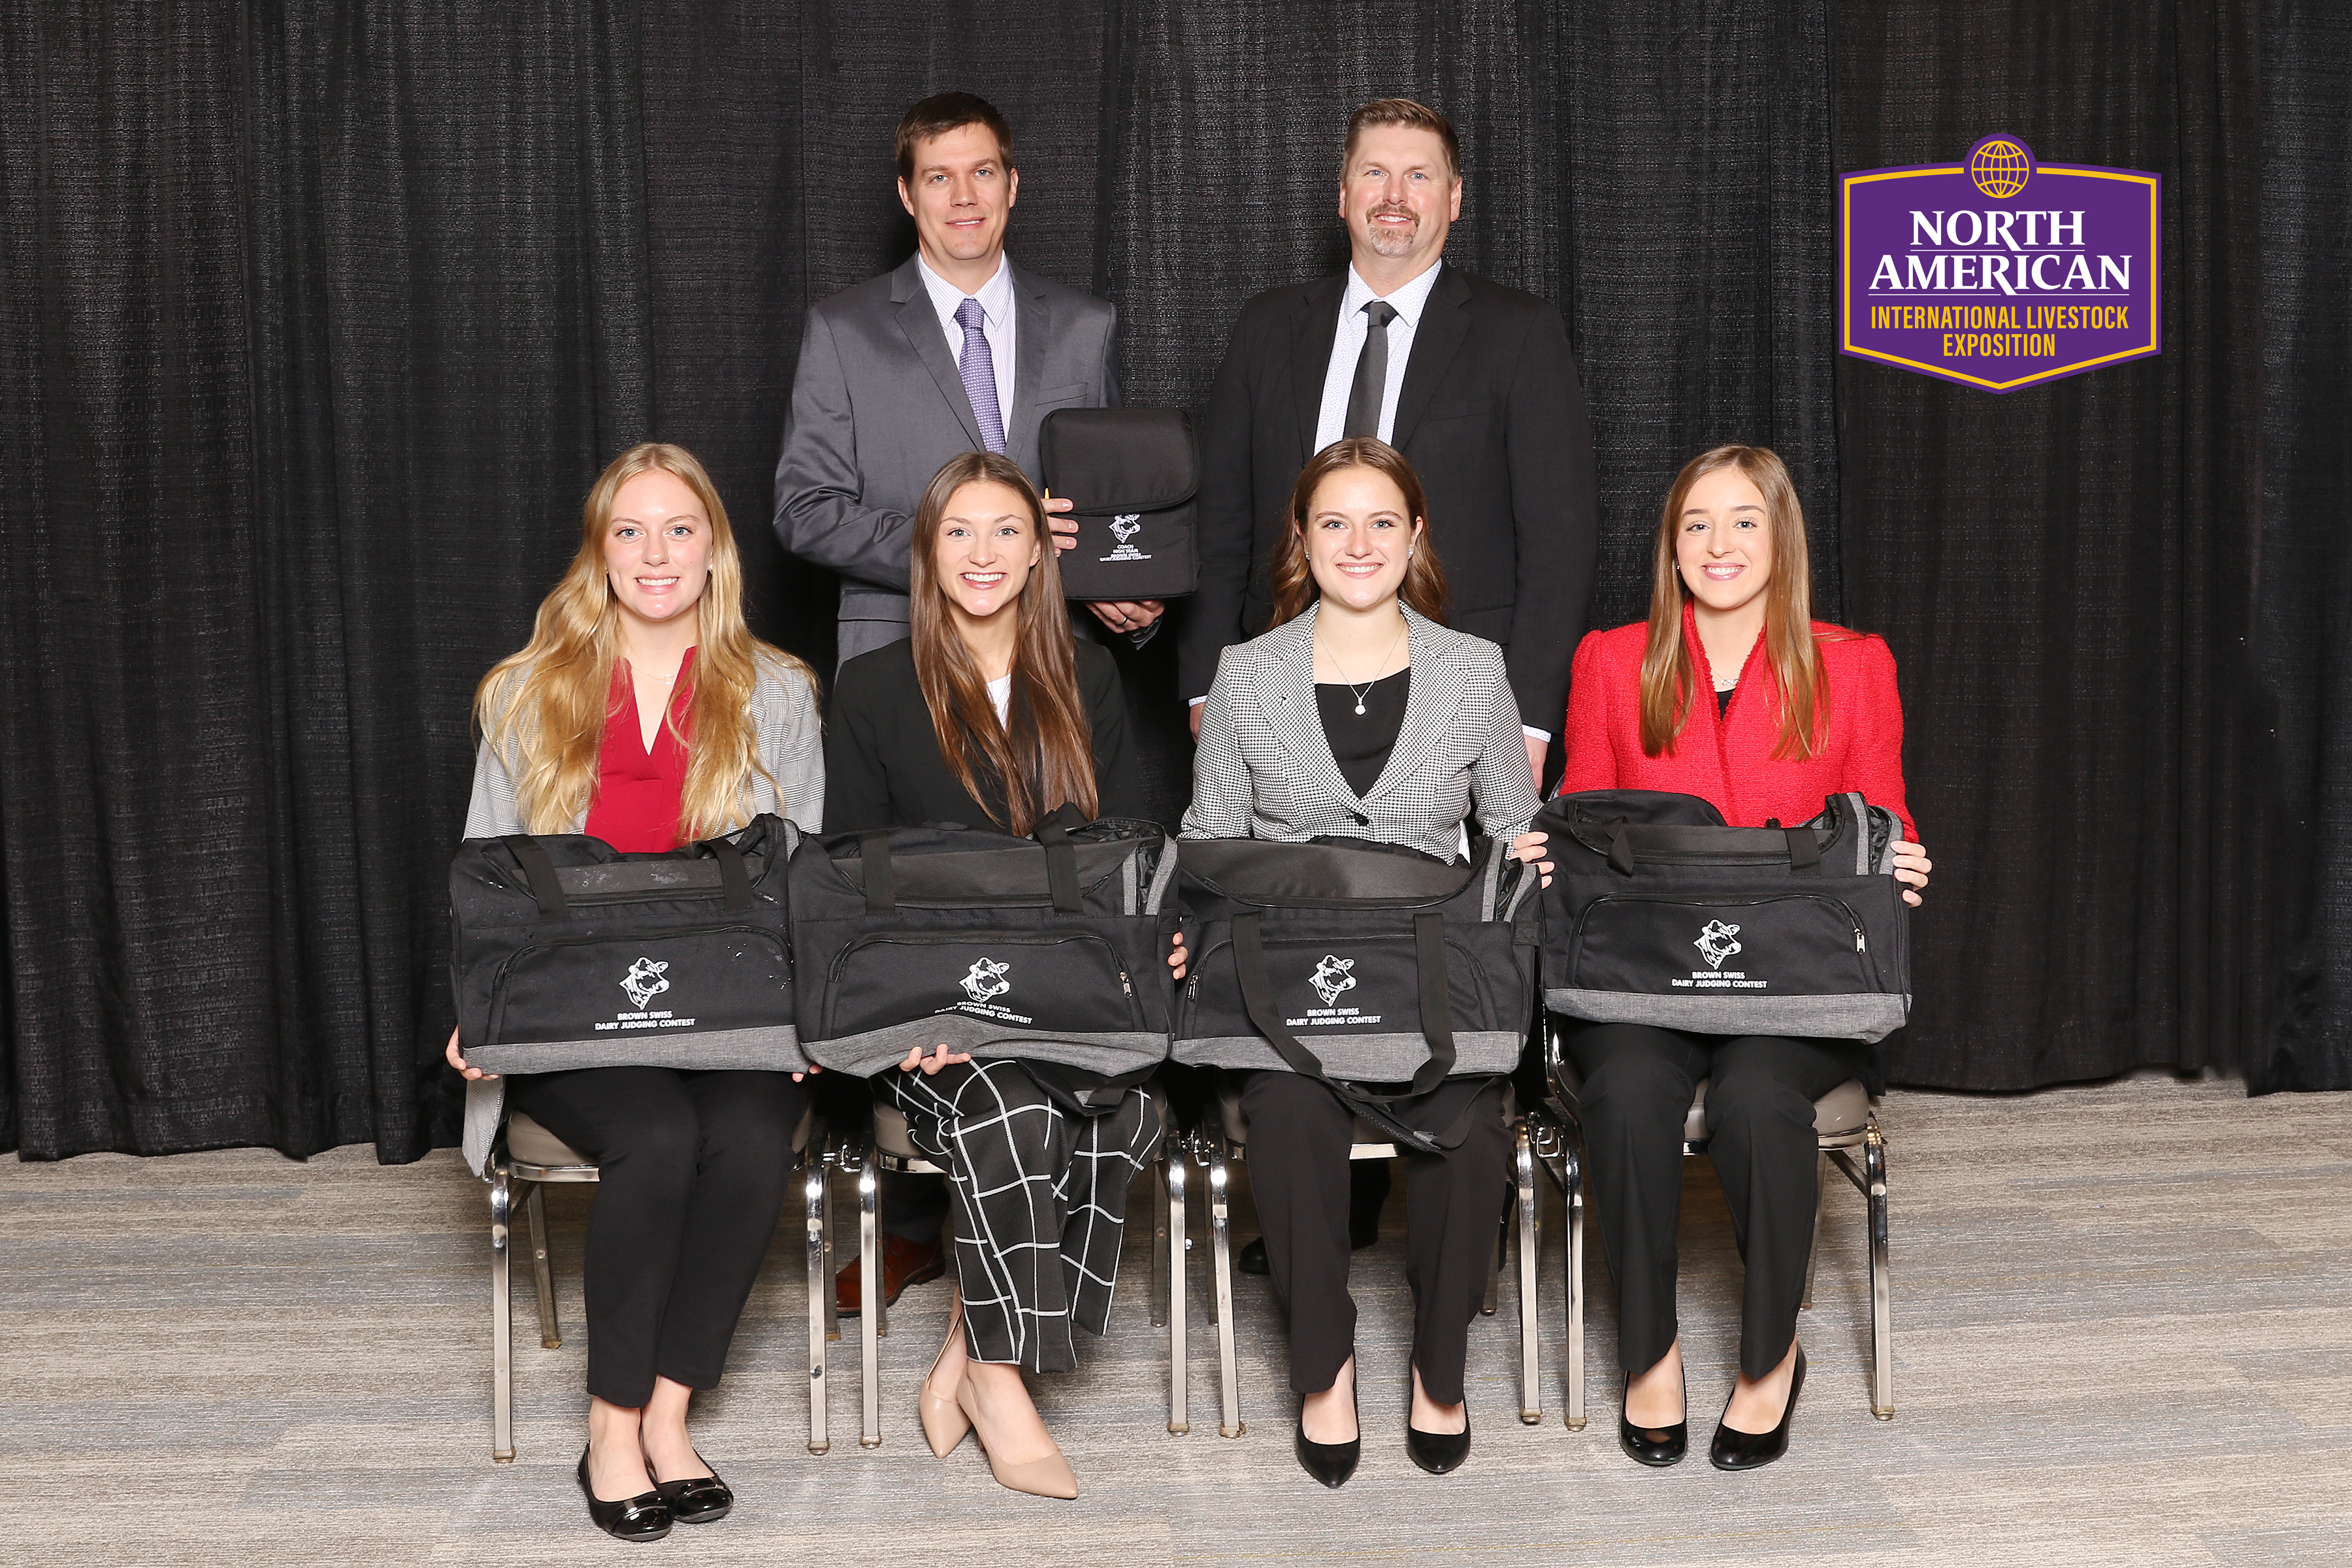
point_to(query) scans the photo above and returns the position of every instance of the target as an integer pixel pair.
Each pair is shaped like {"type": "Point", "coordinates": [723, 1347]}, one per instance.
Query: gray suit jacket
{"type": "Point", "coordinates": [878, 407]}
{"type": "Point", "coordinates": [1263, 768]}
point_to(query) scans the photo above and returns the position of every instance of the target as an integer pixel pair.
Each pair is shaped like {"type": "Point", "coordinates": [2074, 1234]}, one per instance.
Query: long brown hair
{"type": "Point", "coordinates": [1423, 587]}
{"type": "Point", "coordinates": [1045, 765]}
{"type": "Point", "coordinates": [547, 706]}
{"type": "Point", "coordinates": [1669, 672]}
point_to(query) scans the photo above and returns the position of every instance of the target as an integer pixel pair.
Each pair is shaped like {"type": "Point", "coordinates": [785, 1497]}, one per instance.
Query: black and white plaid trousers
{"type": "Point", "coordinates": [1040, 1202]}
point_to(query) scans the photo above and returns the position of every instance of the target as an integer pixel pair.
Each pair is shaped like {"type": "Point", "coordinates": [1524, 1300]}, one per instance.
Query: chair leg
{"type": "Point", "coordinates": [1493, 1299]}
{"type": "Point", "coordinates": [1530, 1245]}
{"type": "Point", "coordinates": [1572, 1190]}
{"type": "Point", "coordinates": [869, 1306]}
{"type": "Point", "coordinates": [820, 1287]}
{"type": "Point", "coordinates": [1173, 1307]}
{"type": "Point", "coordinates": [1881, 1327]}
{"type": "Point", "coordinates": [1159, 1234]}
{"type": "Point", "coordinates": [534, 1208]}
{"type": "Point", "coordinates": [1821, 1213]}
{"type": "Point", "coordinates": [1221, 1252]}
{"type": "Point", "coordinates": [501, 1322]}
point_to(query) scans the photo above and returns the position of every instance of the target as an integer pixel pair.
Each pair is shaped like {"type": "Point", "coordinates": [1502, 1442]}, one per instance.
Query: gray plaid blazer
{"type": "Point", "coordinates": [1263, 768]}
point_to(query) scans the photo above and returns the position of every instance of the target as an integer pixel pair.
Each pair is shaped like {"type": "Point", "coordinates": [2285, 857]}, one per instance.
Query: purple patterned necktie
{"type": "Point", "coordinates": [978, 368]}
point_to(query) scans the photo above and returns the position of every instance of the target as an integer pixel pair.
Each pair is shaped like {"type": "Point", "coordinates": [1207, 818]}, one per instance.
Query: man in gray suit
{"type": "Point", "coordinates": [956, 351]}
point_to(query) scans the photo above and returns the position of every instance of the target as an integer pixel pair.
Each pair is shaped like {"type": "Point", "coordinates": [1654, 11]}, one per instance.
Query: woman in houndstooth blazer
{"type": "Point", "coordinates": [1361, 716]}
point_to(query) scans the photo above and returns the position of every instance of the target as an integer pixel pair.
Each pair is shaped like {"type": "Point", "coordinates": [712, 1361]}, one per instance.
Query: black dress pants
{"type": "Point", "coordinates": [692, 1170]}
{"type": "Point", "coordinates": [1638, 1084]}
{"type": "Point", "coordinates": [1300, 1132]}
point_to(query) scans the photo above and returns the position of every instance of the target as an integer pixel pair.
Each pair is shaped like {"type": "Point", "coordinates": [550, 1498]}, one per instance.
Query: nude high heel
{"type": "Point", "coordinates": [944, 1421]}
{"type": "Point", "coordinates": [1048, 1476]}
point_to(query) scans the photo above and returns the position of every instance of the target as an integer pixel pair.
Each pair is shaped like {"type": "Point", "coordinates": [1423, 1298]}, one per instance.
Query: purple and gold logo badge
{"type": "Point", "coordinates": [1998, 271]}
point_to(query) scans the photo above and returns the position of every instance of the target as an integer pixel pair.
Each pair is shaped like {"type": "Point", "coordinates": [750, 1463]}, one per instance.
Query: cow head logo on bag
{"type": "Point", "coordinates": [644, 982]}
{"type": "Point", "coordinates": [1715, 943]}
{"type": "Point", "coordinates": [986, 979]}
{"type": "Point", "coordinates": [1331, 977]}
{"type": "Point", "coordinates": [1125, 526]}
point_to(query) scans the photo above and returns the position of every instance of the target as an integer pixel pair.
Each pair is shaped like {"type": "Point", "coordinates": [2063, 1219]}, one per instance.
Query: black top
{"type": "Point", "coordinates": [882, 766]}
{"type": "Point", "coordinates": [1723, 699]}
{"type": "Point", "coordinates": [1360, 743]}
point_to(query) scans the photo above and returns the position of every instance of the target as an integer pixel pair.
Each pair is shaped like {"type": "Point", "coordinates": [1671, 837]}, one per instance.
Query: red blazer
{"type": "Point", "coordinates": [1728, 761]}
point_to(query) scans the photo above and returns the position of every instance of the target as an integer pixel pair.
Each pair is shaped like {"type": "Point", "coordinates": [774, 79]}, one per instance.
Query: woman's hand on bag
{"type": "Point", "coordinates": [813, 1070]}
{"type": "Point", "coordinates": [457, 1060]}
{"type": "Point", "coordinates": [1912, 866]}
{"type": "Point", "coordinates": [1176, 956]}
{"type": "Point", "coordinates": [1529, 847]}
{"type": "Point", "coordinates": [942, 1058]}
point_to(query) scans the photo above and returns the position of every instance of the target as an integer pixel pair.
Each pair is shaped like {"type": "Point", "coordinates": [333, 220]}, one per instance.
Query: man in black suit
{"type": "Point", "coordinates": [1472, 381]}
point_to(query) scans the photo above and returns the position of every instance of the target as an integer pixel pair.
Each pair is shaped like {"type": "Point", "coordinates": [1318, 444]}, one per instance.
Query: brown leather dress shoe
{"type": "Point", "coordinates": [904, 1263]}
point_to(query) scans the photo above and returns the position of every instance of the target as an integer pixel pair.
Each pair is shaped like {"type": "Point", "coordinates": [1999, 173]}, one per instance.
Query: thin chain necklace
{"type": "Point", "coordinates": [1357, 691]}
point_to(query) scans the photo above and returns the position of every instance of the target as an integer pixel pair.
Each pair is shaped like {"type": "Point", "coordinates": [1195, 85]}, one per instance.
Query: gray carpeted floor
{"type": "Point", "coordinates": [2121, 1322]}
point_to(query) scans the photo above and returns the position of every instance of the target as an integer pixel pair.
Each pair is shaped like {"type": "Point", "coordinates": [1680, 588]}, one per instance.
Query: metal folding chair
{"type": "Point", "coordinates": [1849, 1136]}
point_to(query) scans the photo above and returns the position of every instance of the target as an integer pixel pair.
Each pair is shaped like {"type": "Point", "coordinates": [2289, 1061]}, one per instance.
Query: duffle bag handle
{"type": "Point", "coordinates": [734, 876]}
{"type": "Point", "coordinates": [1053, 831]}
{"type": "Point", "coordinates": [539, 874]}
{"type": "Point", "coordinates": [880, 877]}
{"type": "Point", "coordinates": [1804, 850]}
{"type": "Point", "coordinates": [1436, 1023]}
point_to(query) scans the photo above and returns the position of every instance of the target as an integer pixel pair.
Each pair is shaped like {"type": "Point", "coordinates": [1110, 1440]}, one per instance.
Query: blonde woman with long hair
{"type": "Point", "coordinates": [644, 712]}
{"type": "Point", "coordinates": [1731, 692]}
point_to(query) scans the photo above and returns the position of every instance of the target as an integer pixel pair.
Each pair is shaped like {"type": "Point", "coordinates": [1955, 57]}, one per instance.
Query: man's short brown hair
{"type": "Point", "coordinates": [1402, 112]}
{"type": "Point", "coordinates": [945, 112]}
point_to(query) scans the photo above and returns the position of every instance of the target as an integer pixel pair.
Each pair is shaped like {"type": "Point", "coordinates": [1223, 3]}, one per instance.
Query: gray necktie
{"type": "Point", "coordinates": [978, 368]}
{"type": "Point", "coordinates": [1371, 387]}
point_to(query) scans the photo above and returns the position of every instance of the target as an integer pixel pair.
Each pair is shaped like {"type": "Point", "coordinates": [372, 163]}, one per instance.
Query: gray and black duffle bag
{"type": "Point", "coordinates": [1659, 913]}
{"type": "Point", "coordinates": [571, 953]}
{"type": "Point", "coordinates": [1357, 965]}
{"type": "Point", "coordinates": [1050, 950]}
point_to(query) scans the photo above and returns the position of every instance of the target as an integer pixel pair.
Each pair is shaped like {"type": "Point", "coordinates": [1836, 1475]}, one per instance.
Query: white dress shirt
{"type": "Point", "coordinates": [995, 299]}
{"type": "Point", "coordinates": [1348, 347]}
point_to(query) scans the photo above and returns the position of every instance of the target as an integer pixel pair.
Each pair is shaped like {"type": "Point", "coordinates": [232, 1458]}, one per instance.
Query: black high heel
{"type": "Point", "coordinates": [697, 1500]}
{"type": "Point", "coordinates": [1331, 1463]}
{"type": "Point", "coordinates": [1736, 1450]}
{"type": "Point", "coordinates": [1658, 1452]}
{"type": "Point", "coordinates": [1437, 1452]}
{"type": "Point", "coordinates": [644, 1517]}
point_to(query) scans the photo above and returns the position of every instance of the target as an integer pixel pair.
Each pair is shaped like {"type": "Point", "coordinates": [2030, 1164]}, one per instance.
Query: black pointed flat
{"type": "Point", "coordinates": [1656, 1447]}
{"type": "Point", "coordinates": [1736, 1450]}
{"type": "Point", "coordinates": [1330, 1463]}
{"type": "Point", "coordinates": [697, 1500]}
{"type": "Point", "coordinates": [644, 1517]}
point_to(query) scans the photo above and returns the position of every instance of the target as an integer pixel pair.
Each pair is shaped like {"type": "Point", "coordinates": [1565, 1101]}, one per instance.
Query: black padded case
{"type": "Point", "coordinates": [1133, 473]}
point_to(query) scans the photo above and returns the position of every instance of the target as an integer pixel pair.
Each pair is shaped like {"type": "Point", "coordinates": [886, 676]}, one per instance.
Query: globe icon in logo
{"type": "Point", "coordinates": [1999, 168]}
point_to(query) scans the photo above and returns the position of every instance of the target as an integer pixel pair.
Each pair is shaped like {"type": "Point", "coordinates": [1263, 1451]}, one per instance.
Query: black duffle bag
{"type": "Point", "coordinates": [1051, 949]}
{"type": "Point", "coordinates": [571, 953]}
{"type": "Point", "coordinates": [1133, 473]}
{"type": "Point", "coordinates": [1659, 913]}
{"type": "Point", "coordinates": [1360, 966]}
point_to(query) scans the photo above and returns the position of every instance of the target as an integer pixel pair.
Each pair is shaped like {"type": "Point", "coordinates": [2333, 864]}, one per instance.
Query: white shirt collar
{"type": "Point", "coordinates": [995, 296]}
{"type": "Point", "coordinates": [1409, 300]}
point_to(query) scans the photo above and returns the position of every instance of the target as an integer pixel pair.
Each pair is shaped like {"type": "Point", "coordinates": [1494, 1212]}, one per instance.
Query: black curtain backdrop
{"type": "Point", "coordinates": [321, 318]}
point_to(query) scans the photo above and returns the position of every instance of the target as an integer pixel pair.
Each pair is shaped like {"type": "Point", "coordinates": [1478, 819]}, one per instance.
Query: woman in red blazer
{"type": "Point", "coordinates": [1730, 691]}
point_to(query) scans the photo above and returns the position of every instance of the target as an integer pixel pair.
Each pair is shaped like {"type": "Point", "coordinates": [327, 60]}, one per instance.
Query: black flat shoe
{"type": "Point", "coordinates": [1437, 1452]}
{"type": "Point", "coordinates": [1330, 1463]}
{"type": "Point", "coordinates": [644, 1517]}
{"type": "Point", "coordinates": [1656, 1447]}
{"type": "Point", "coordinates": [698, 1499]}
{"type": "Point", "coordinates": [1733, 1450]}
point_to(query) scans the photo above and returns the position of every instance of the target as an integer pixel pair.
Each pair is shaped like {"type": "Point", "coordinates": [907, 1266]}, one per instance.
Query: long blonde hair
{"type": "Point", "coordinates": [1052, 759]}
{"type": "Point", "coordinates": [546, 706]}
{"type": "Point", "coordinates": [1669, 673]}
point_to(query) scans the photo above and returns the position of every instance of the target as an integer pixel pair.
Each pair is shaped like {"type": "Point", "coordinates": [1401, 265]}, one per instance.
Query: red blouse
{"type": "Point", "coordinates": [1728, 760]}
{"type": "Point", "coordinates": [640, 794]}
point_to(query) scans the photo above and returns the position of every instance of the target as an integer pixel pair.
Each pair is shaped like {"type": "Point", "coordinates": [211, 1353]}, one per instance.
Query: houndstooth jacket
{"type": "Point", "coordinates": [1263, 768]}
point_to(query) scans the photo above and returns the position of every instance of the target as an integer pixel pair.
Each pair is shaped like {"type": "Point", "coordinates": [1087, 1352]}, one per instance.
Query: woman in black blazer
{"type": "Point", "coordinates": [991, 714]}
{"type": "Point", "coordinates": [1361, 716]}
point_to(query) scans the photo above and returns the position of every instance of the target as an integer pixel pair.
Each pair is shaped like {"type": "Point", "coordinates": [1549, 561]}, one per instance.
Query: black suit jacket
{"type": "Point", "coordinates": [884, 768]}
{"type": "Point", "coordinates": [1494, 421]}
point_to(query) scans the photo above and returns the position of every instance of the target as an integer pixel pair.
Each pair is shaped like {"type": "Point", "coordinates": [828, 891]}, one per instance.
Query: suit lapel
{"type": "Point", "coordinates": [1444, 326]}
{"type": "Point", "coordinates": [1312, 335]}
{"type": "Point", "coordinates": [1290, 709]}
{"type": "Point", "coordinates": [921, 322]}
{"type": "Point", "coordinates": [1430, 702]}
{"type": "Point", "coordinates": [1033, 329]}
